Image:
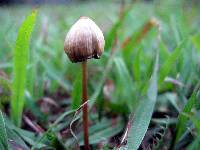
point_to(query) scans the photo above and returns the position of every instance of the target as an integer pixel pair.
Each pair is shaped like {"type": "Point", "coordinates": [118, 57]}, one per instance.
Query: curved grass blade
{"type": "Point", "coordinates": [182, 119]}
{"type": "Point", "coordinates": [21, 54]}
{"type": "Point", "coordinates": [168, 64]}
{"type": "Point", "coordinates": [143, 113]}
{"type": "Point", "coordinates": [3, 133]}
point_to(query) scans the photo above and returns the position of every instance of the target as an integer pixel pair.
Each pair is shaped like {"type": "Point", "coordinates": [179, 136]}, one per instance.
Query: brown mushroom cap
{"type": "Point", "coordinates": [84, 41]}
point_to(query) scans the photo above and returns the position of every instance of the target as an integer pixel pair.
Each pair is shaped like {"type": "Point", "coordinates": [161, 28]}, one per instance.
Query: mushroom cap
{"type": "Point", "coordinates": [84, 41]}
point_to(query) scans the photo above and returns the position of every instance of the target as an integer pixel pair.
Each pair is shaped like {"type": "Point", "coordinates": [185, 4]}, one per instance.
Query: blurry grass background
{"type": "Point", "coordinates": [51, 74]}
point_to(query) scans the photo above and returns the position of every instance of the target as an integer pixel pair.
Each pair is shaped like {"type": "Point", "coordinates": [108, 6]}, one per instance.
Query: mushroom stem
{"type": "Point", "coordinates": [85, 106]}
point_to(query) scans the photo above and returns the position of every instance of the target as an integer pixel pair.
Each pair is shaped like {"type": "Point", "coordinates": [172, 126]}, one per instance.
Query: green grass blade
{"type": "Point", "coordinates": [168, 64]}
{"type": "Point", "coordinates": [55, 75]}
{"type": "Point", "coordinates": [143, 113]}
{"type": "Point", "coordinates": [125, 82]}
{"type": "Point", "coordinates": [164, 52]}
{"type": "Point", "coordinates": [194, 144]}
{"type": "Point", "coordinates": [123, 71]}
{"type": "Point", "coordinates": [101, 82]}
{"type": "Point", "coordinates": [49, 131]}
{"type": "Point", "coordinates": [77, 92]}
{"type": "Point", "coordinates": [182, 119]}
{"type": "Point", "coordinates": [110, 38]}
{"type": "Point", "coordinates": [21, 54]}
{"type": "Point", "coordinates": [196, 42]}
{"type": "Point", "coordinates": [102, 131]}
{"type": "Point", "coordinates": [136, 65]}
{"type": "Point", "coordinates": [3, 133]}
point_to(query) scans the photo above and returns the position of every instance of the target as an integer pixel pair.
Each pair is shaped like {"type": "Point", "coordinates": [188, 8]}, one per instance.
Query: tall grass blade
{"type": "Point", "coordinates": [143, 113]}
{"type": "Point", "coordinates": [21, 54]}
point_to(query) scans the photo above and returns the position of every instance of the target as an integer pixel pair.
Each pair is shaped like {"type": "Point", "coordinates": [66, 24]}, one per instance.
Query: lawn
{"type": "Point", "coordinates": [143, 93]}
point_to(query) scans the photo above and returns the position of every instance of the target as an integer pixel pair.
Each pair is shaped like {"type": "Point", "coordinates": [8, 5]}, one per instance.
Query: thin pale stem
{"type": "Point", "coordinates": [85, 107]}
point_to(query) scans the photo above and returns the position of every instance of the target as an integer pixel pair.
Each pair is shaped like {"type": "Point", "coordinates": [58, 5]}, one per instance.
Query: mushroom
{"type": "Point", "coordinates": [84, 41]}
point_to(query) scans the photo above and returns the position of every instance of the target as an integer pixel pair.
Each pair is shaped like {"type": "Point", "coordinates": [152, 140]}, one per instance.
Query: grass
{"type": "Point", "coordinates": [118, 82]}
{"type": "Point", "coordinates": [20, 61]}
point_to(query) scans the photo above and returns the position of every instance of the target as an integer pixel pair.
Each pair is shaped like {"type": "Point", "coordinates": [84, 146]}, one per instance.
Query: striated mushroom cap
{"type": "Point", "coordinates": [84, 41]}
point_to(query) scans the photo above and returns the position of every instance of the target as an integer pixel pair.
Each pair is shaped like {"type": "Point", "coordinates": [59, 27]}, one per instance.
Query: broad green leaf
{"type": "Point", "coordinates": [3, 133]}
{"type": "Point", "coordinates": [143, 113]}
{"type": "Point", "coordinates": [20, 61]}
